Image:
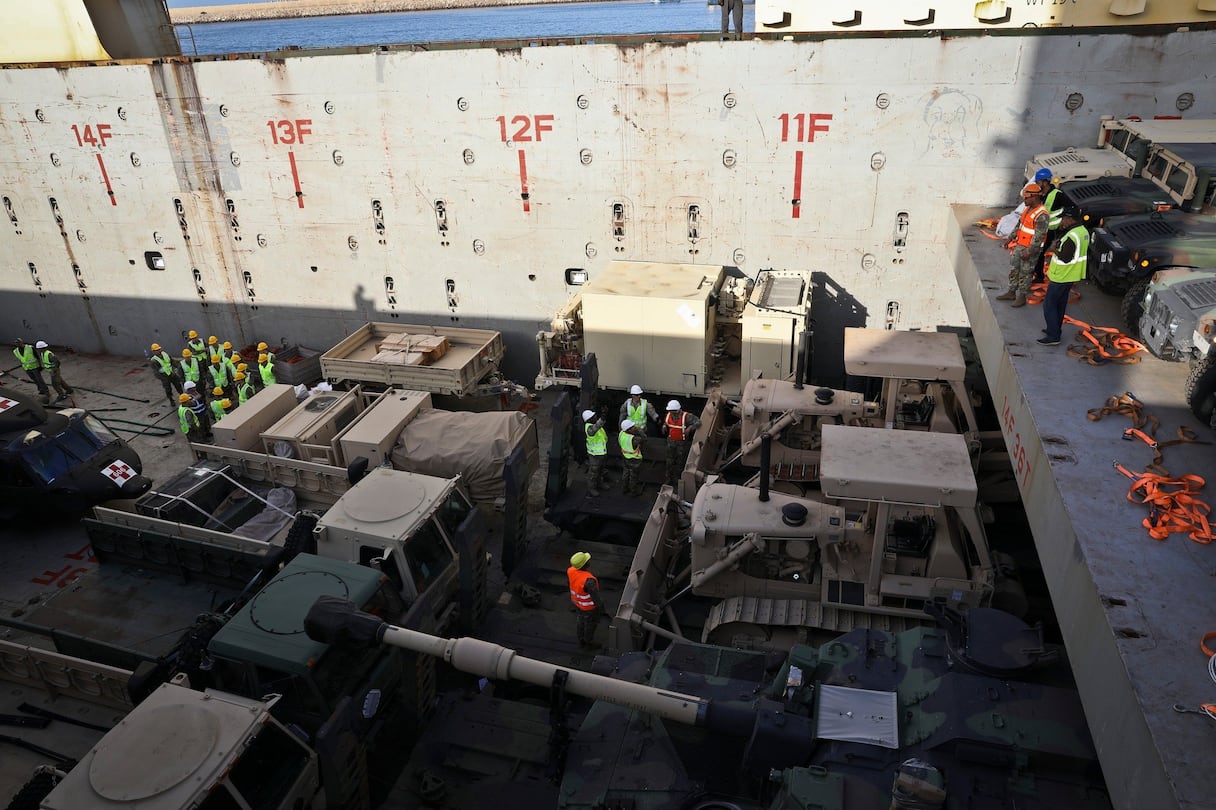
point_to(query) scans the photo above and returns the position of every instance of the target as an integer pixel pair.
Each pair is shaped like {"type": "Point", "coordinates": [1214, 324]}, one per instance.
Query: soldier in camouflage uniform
{"type": "Point", "coordinates": [678, 427]}
{"type": "Point", "coordinates": [1027, 243]}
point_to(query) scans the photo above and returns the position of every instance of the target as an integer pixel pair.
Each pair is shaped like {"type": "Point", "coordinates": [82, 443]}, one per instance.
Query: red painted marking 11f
{"type": "Point", "coordinates": [801, 128]}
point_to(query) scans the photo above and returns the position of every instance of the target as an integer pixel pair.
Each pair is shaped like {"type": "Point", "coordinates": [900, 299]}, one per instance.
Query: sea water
{"type": "Point", "coordinates": [456, 25]}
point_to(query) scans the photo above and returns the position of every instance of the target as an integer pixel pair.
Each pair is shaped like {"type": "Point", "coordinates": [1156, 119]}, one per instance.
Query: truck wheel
{"type": "Point", "coordinates": [1133, 306]}
{"type": "Point", "coordinates": [1201, 389]}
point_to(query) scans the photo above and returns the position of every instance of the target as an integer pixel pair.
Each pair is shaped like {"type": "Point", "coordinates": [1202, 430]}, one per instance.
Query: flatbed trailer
{"type": "Point", "coordinates": [470, 359]}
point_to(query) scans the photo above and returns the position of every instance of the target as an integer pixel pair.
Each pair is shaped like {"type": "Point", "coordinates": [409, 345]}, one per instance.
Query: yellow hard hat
{"type": "Point", "coordinates": [192, 334]}
{"type": "Point", "coordinates": [242, 367]}
{"type": "Point", "coordinates": [225, 403]}
{"type": "Point", "coordinates": [227, 344]}
{"type": "Point", "coordinates": [183, 398]}
{"type": "Point", "coordinates": [187, 353]}
{"type": "Point", "coordinates": [235, 357]}
{"type": "Point", "coordinates": [217, 391]}
{"type": "Point", "coordinates": [211, 341]}
{"type": "Point", "coordinates": [215, 358]}
{"type": "Point", "coordinates": [262, 346]}
{"type": "Point", "coordinates": [262, 358]}
{"type": "Point", "coordinates": [240, 375]}
{"type": "Point", "coordinates": [579, 559]}
{"type": "Point", "coordinates": [156, 347]}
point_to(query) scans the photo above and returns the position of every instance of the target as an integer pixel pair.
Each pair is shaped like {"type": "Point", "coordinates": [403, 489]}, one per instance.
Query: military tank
{"type": "Point", "coordinates": [975, 712]}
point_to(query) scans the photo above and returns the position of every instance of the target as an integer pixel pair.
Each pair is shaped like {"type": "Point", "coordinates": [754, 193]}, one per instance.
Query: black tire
{"type": "Point", "coordinates": [1201, 389]}
{"type": "Point", "coordinates": [1133, 306]}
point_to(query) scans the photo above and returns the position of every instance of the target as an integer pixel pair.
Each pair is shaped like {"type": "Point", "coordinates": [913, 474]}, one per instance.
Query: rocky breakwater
{"type": "Point", "coordinates": [324, 8]}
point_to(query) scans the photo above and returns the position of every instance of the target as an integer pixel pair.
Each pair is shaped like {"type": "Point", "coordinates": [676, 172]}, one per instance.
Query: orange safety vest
{"type": "Point", "coordinates": [675, 430]}
{"type": "Point", "coordinates": [578, 588]}
{"type": "Point", "coordinates": [1026, 227]}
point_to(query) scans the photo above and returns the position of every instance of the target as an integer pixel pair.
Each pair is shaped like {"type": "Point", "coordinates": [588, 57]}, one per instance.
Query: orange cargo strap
{"type": "Point", "coordinates": [1109, 345]}
{"type": "Point", "coordinates": [988, 228]}
{"type": "Point", "coordinates": [1172, 503]}
{"type": "Point", "coordinates": [1144, 427]}
{"type": "Point", "coordinates": [1039, 291]}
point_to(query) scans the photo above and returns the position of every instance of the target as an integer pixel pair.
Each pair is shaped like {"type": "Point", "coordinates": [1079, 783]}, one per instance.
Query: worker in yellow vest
{"type": "Point", "coordinates": [597, 451]}
{"type": "Point", "coordinates": [266, 369]}
{"type": "Point", "coordinates": [630, 440]}
{"type": "Point", "coordinates": [165, 371]}
{"type": "Point", "coordinates": [638, 410]}
{"type": "Point", "coordinates": [28, 359]}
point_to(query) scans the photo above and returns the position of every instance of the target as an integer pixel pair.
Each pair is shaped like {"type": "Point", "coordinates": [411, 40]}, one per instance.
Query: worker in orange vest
{"type": "Point", "coordinates": [585, 594]}
{"type": "Point", "coordinates": [678, 427]}
{"type": "Point", "coordinates": [1027, 243]}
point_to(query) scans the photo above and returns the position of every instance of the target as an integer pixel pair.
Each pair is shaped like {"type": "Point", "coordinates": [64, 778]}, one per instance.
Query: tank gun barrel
{"type": "Point", "coordinates": [332, 619]}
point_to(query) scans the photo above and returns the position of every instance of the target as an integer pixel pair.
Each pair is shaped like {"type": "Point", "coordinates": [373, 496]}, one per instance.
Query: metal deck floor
{"type": "Point", "coordinates": [1132, 610]}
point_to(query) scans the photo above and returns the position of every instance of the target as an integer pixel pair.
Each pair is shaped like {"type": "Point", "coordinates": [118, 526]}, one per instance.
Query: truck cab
{"type": "Point", "coordinates": [183, 749]}
{"type": "Point", "coordinates": [1181, 176]}
{"type": "Point", "coordinates": [346, 701]}
{"type": "Point", "coordinates": [1122, 148]}
{"type": "Point", "coordinates": [61, 460]}
{"type": "Point", "coordinates": [1178, 322]}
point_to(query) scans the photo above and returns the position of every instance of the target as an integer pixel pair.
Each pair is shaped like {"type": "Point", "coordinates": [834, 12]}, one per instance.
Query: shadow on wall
{"type": "Point", "coordinates": [832, 309]}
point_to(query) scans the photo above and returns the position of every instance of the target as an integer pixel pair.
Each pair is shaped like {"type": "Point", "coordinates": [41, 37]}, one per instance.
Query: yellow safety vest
{"type": "Point", "coordinates": [629, 445]}
{"type": "Point", "coordinates": [597, 442]}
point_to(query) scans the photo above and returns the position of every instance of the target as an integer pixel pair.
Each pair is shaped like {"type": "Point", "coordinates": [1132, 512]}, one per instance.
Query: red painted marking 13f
{"type": "Point", "coordinates": [287, 131]}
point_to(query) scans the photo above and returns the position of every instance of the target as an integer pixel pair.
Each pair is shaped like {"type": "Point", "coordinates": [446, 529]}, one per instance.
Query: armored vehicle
{"type": "Point", "coordinates": [1179, 176]}
{"type": "Point", "coordinates": [63, 461]}
{"type": "Point", "coordinates": [872, 719]}
{"type": "Point", "coordinates": [1122, 148]}
{"type": "Point", "coordinates": [897, 524]}
{"type": "Point", "coordinates": [1179, 323]}
{"type": "Point", "coordinates": [1126, 251]}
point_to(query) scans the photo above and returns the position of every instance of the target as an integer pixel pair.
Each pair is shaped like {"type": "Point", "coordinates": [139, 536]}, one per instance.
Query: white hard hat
{"type": "Point", "coordinates": [637, 389]}
{"type": "Point", "coordinates": [40, 344]}
{"type": "Point", "coordinates": [627, 424]}
{"type": "Point", "coordinates": [674, 405]}
{"type": "Point", "coordinates": [588, 415]}
{"type": "Point", "coordinates": [189, 384]}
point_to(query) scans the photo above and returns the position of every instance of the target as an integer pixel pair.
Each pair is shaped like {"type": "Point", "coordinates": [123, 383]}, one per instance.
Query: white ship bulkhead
{"type": "Point", "coordinates": [292, 199]}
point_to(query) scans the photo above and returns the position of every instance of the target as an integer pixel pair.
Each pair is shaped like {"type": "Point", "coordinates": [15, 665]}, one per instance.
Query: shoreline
{"type": "Point", "coordinates": [289, 9]}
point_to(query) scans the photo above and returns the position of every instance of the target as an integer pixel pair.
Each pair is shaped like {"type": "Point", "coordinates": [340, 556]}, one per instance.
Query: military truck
{"type": "Point", "coordinates": [895, 525]}
{"type": "Point", "coordinates": [454, 361]}
{"type": "Point", "coordinates": [1178, 322]}
{"type": "Point", "coordinates": [272, 439]}
{"type": "Point", "coordinates": [1122, 148]}
{"type": "Point", "coordinates": [1126, 251]}
{"type": "Point", "coordinates": [1176, 175]}
{"type": "Point", "coordinates": [64, 461]}
{"type": "Point", "coordinates": [407, 546]}
{"type": "Point", "coordinates": [678, 330]}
